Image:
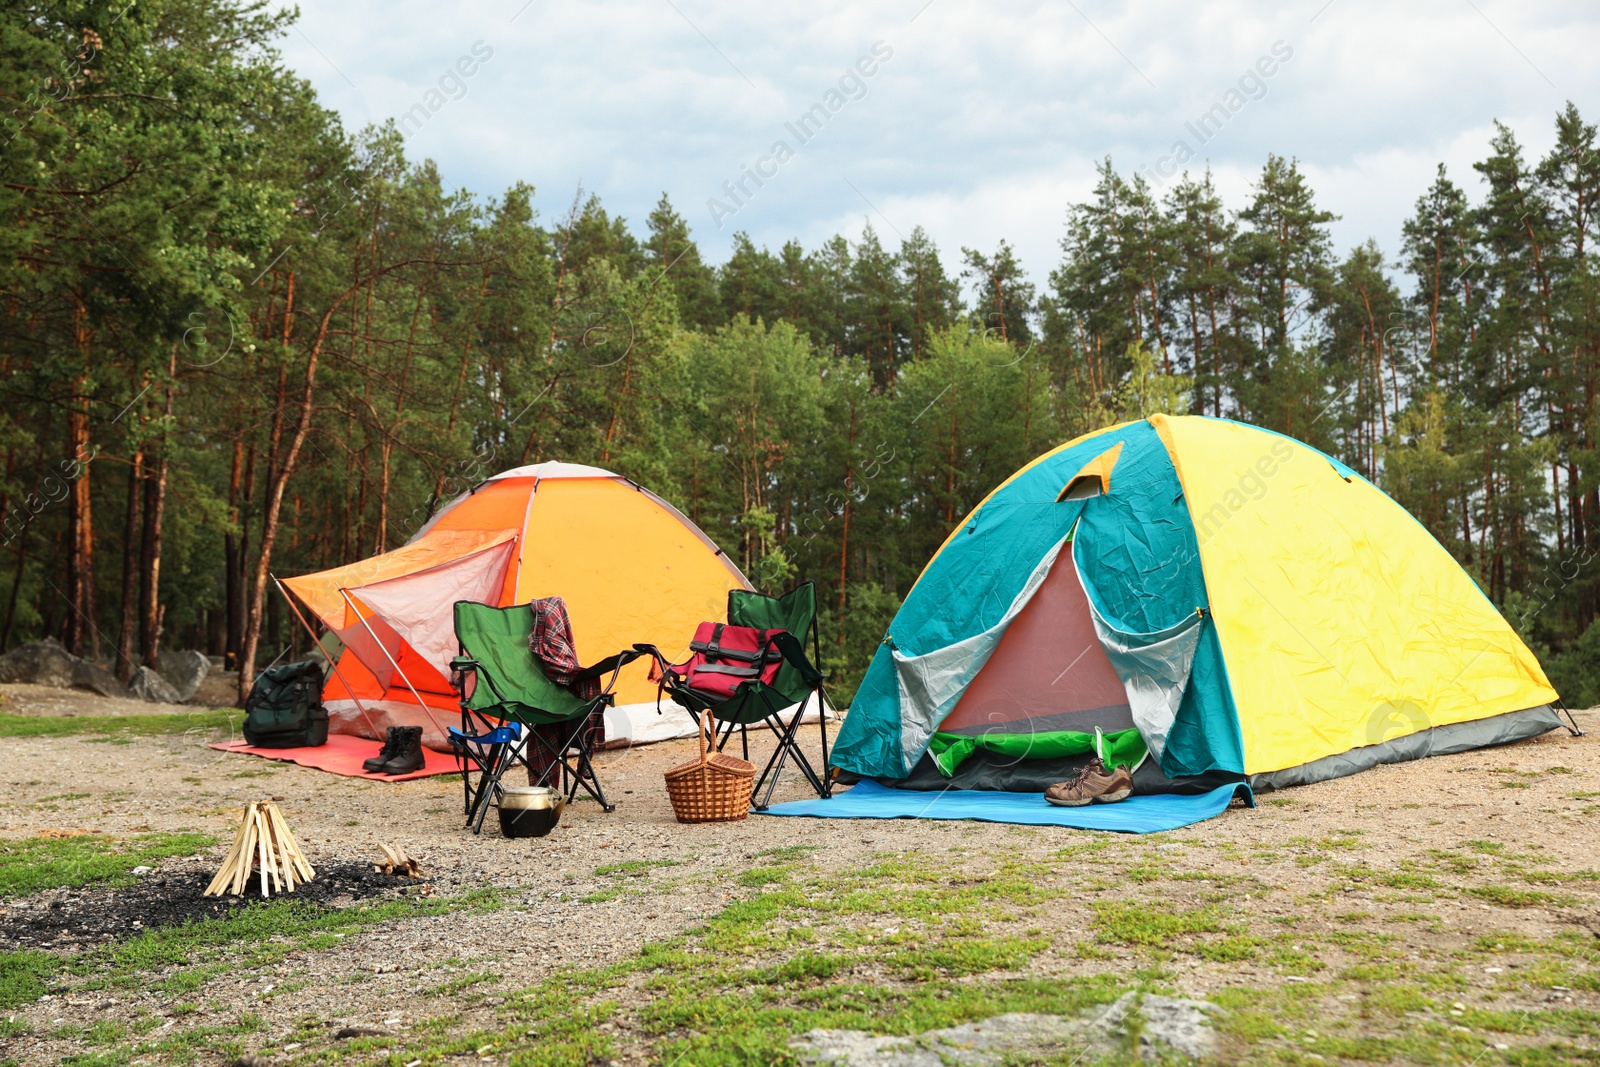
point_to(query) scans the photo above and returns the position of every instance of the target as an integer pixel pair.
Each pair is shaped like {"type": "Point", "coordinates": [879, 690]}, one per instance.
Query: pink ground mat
{"type": "Point", "coordinates": [344, 754]}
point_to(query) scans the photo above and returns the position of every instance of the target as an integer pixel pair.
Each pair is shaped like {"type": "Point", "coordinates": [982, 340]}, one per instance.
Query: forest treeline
{"type": "Point", "coordinates": [237, 341]}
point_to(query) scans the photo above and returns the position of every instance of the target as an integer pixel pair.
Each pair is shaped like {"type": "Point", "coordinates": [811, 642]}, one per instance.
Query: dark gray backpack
{"type": "Point", "coordinates": [284, 708]}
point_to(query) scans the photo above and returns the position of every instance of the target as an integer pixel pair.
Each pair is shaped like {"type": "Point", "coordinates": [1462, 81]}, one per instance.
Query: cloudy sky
{"type": "Point", "coordinates": [976, 124]}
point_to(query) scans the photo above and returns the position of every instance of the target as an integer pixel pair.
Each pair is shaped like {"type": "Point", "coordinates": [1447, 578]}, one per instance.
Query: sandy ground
{"type": "Point", "coordinates": [176, 783]}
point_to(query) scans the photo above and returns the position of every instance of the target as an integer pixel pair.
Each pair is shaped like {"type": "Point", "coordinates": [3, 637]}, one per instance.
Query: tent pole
{"type": "Point", "coordinates": [331, 661]}
{"type": "Point", "coordinates": [423, 704]}
{"type": "Point", "coordinates": [1562, 705]}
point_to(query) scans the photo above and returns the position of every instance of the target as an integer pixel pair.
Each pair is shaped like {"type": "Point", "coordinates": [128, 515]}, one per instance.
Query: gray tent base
{"type": "Point", "coordinates": [1435, 741]}
{"type": "Point", "coordinates": [992, 771]}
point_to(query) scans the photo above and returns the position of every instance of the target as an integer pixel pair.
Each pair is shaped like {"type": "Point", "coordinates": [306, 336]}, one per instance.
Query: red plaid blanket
{"type": "Point", "coordinates": [551, 644]}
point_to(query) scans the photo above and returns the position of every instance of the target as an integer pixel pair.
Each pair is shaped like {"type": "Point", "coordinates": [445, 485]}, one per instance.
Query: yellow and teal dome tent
{"type": "Point", "coordinates": [1220, 597]}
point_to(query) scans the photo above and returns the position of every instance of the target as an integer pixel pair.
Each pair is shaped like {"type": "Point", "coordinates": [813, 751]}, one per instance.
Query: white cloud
{"type": "Point", "coordinates": [986, 123]}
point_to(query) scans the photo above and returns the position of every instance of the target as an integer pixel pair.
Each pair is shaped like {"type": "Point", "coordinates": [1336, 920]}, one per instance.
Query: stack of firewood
{"type": "Point", "coordinates": [263, 839]}
{"type": "Point", "coordinates": [396, 862]}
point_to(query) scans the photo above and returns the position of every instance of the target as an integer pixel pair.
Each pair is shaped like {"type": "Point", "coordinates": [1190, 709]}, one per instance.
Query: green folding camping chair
{"type": "Point", "coordinates": [798, 682]}
{"type": "Point", "coordinates": [504, 694]}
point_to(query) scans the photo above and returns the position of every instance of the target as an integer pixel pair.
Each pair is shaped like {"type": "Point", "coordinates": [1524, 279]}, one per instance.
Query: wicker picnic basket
{"type": "Point", "coordinates": [712, 788]}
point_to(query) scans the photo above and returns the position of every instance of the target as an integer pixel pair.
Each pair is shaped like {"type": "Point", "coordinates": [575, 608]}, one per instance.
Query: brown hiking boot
{"type": "Point", "coordinates": [1093, 784]}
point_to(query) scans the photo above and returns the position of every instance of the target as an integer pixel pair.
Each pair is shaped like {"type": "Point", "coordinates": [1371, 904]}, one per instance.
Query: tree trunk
{"type": "Point", "coordinates": [16, 584]}
{"type": "Point", "coordinates": [130, 570]}
{"type": "Point", "coordinates": [155, 507]}
{"type": "Point", "coordinates": [232, 549]}
{"type": "Point", "coordinates": [155, 510]}
{"type": "Point", "coordinates": [279, 481]}
{"type": "Point", "coordinates": [82, 635]}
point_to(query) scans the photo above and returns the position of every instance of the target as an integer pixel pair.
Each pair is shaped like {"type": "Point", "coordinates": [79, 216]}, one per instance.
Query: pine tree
{"type": "Point", "coordinates": [673, 255]}
{"type": "Point", "coordinates": [934, 297]}
{"type": "Point", "coordinates": [1283, 258]}
{"type": "Point", "coordinates": [1003, 298]}
{"type": "Point", "coordinates": [878, 324]}
{"type": "Point", "coordinates": [1205, 290]}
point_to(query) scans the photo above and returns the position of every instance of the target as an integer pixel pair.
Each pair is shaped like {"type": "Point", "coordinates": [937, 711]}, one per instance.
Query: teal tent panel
{"type": "Point", "coordinates": [1136, 550]}
{"type": "Point", "coordinates": [967, 590]}
{"type": "Point", "coordinates": [1205, 735]}
{"type": "Point", "coordinates": [1141, 558]}
{"type": "Point", "coordinates": [869, 739]}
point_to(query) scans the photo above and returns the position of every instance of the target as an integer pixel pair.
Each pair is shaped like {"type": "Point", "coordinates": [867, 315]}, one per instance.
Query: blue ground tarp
{"type": "Point", "coordinates": [1136, 815]}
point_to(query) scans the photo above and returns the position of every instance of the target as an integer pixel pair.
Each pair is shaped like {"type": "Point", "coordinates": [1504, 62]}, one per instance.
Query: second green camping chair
{"type": "Point", "coordinates": [797, 688]}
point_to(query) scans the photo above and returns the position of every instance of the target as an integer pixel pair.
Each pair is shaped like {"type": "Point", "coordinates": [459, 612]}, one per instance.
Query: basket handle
{"type": "Point", "coordinates": [701, 735]}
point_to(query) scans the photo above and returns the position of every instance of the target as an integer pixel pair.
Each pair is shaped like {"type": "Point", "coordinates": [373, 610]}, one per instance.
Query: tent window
{"type": "Point", "coordinates": [1094, 479]}
{"type": "Point", "coordinates": [1083, 487]}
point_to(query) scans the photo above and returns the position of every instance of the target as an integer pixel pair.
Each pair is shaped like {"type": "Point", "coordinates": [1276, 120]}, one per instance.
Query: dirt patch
{"type": "Point", "coordinates": [67, 919]}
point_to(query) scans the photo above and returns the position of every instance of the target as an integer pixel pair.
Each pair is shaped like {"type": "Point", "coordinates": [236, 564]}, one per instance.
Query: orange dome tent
{"type": "Point", "coordinates": [630, 566]}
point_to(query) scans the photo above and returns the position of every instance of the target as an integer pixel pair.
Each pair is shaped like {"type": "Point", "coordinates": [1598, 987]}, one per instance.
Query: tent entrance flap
{"type": "Point", "coordinates": [1154, 668]}
{"type": "Point", "coordinates": [1048, 674]}
{"type": "Point", "coordinates": [931, 684]}
{"type": "Point", "coordinates": [410, 602]}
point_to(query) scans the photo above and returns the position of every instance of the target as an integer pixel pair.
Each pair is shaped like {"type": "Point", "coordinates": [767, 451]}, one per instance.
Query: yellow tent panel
{"type": "Point", "coordinates": [1342, 621]}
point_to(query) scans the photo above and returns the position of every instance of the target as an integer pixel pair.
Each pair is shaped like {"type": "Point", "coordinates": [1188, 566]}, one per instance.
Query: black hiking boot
{"type": "Point", "coordinates": [408, 752]}
{"type": "Point", "coordinates": [391, 749]}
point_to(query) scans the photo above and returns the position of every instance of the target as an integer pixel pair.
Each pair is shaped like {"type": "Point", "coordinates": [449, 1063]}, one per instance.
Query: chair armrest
{"type": "Point", "coordinates": [642, 649]}
{"type": "Point", "coordinates": [795, 652]}
{"type": "Point", "coordinates": [462, 668]}
{"type": "Point", "coordinates": [610, 665]}
{"type": "Point", "coordinates": [661, 661]}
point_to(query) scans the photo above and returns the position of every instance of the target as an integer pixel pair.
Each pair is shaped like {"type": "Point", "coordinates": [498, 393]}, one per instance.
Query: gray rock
{"type": "Point", "coordinates": [219, 690]}
{"type": "Point", "coordinates": [184, 671]}
{"type": "Point", "coordinates": [1161, 1026]}
{"type": "Point", "coordinates": [92, 676]}
{"type": "Point", "coordinates": [39, 663]}
{"type": "Point", "coordinates": [146, 684]}
{"type": "Point", "coordinates": [976, 1044]}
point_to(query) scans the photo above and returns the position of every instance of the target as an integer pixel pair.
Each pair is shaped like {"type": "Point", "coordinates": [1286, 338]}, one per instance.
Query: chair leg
{"type": "Point", "coordinates": [774, 768]}
{"type": "Point", "coordinates": [822, 725]}
{"type": "Point", "coordinates": [726, 736]}
{"type": "Point", "coordinates": [579, 771]}
{"type": "Point", "coordinates": [488, 784]}
{"type": "Point", "coordinates": [585, 776]}
{"type": "Point", "coordinates": [787, 746]}
{"type": "Point", "coordinates": [468, 762]}
{"type": "Point", "coordinates": [466, 780]}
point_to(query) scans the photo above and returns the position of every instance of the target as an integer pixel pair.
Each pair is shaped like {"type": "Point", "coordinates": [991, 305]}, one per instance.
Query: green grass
{"type": "Point", "coordinates": [25, 977]}
{"type": "Point", "coordinates": [635, 868]}
{"type": "Point", "coordinates": [760, 876]}
{"type": "Point", "coordinates": [1147, 924]}
{"type": "Point", "coordinates": [1506, 897]}
{"type": "Point", "coordinates": [105, 727]}
{"type": "Point", "coordinates": [906, 943]}
{"type": "Point", "coordinates": [31, 864]}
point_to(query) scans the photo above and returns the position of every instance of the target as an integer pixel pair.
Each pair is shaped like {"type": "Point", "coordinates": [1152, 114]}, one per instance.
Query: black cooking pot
{"type": "Point", "coordinates": [529, 810]}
